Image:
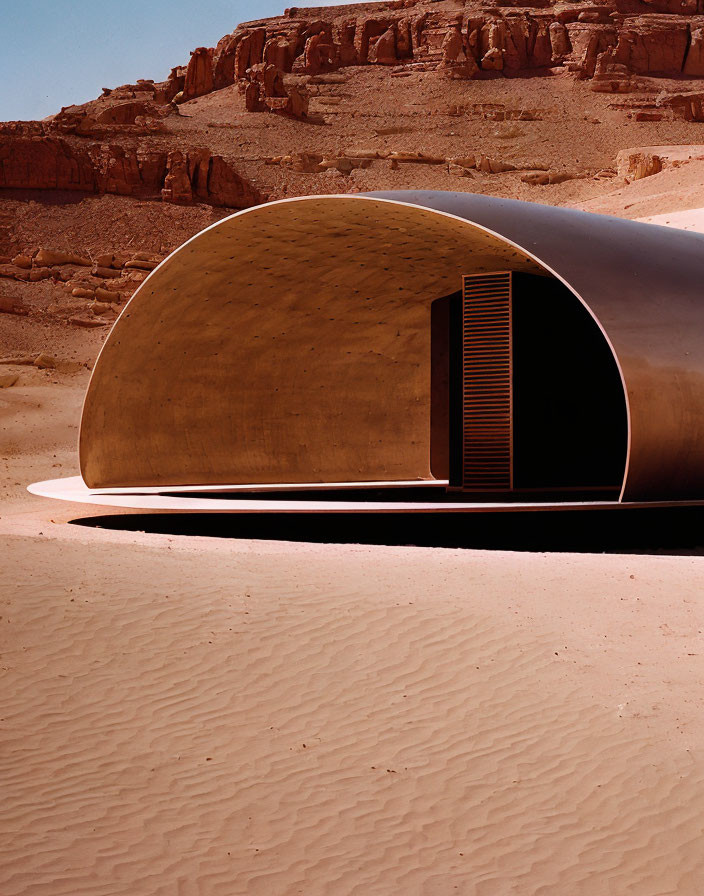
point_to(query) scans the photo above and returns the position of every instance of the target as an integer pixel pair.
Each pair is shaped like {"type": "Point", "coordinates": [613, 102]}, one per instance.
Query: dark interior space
{"type": "Point", "coordinates": [445, 380]}
{"type": "Point", "coordinates": [569, 410]}
{"type": "Point", "coordinates": [569, 422]}
{"type": "Point", "coordinates": [618, 530]}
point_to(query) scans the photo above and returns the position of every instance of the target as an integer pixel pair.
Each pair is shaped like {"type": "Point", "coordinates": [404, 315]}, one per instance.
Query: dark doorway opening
{"type": "Point", "coordinates": [569, 416]}
{"type": "Point", "coordinates": [564, 395]}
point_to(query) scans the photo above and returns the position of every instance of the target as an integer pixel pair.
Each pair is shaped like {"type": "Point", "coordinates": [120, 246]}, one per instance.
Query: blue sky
{"type": "Point", "coordinates": [58, 52]}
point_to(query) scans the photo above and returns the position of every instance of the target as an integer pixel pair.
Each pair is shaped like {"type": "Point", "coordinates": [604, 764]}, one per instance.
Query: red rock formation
{"type": "Point", "coordinates": [198, 175]}
{"type": "Point", "coordinates": [44, 163]}
{"type": "Point", "coordinates": [688, 105]}
{"type": "Point", "coordinates": [127, 113]}
{"type": "Point", "coordinates": [165, 91]}
{"type": "Point", "coordinates": [383, 50]}
{"type": "Point", "coordinates": [224, 61]}
{"type": "Point", "coordinates": [54, 163]}
{"type": "Point", "coordinates": [653, 45]}
{"type": "Point", "coordinates": [277, 63]}
{"type": "Point", "coordinates": [694, 63]}
{"type": "Point", "coordinates": [199, 74]}
{"type": "Point", "coordinates": [513, 37]}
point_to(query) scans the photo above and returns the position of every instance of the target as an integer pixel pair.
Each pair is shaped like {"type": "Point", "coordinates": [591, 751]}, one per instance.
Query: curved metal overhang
{"type": "Point", "coordinates": [639, 282]}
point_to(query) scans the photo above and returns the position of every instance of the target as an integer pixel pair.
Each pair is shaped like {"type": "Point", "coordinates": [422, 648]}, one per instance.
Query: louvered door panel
{"type": "Point", "coordinates": [486, 383]}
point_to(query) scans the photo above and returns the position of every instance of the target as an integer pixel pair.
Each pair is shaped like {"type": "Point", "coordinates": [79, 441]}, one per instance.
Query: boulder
{"type": "Point", "coordinates": [421, 158]}
{"type": "Point", "coordinates": [79, 320]}
{"type": "Point", "coordinates": [278, 51]}
{"type": "Point", "coordinates": [541, 55]}
{"type": "Point", "coordinates": [100, 308]}
{"type": "Point", "coordinates": [318, 54]}
{"type": "Point", "coordinates": [367, 32]}
{"type": "Point", "coordinates": [45, 361]}
{"type": "Point", "coordinates": [588, 42]}
{"type": "Point", "coordinates": [253, 101]}
{"type": "Point", "coordinates": [105, 273]}
{"type": "Point", "coordinates": [303, 162]}
{"type": "Point", "coordinates": [493, 60]}
{"type": "Point", "coordinates": [106, 260]}
{"type": "Point", "coordinates": [250, 49]}
{"type": "Point", "coordinates": [636, 164]}
{"type": "Point", "coordinates": [543, 178]}
{"type": "Point", "coordinates": [492, 166]}
{"type": "Point", "coordinates": [453, 47]}
{"type": "Point", "coordinates": [165, 91]}
{"type": "Point", "coordinates": [37, 274]}
{"type": "Point", "coordinates": [610, 76]}
{"type": "Point", "coordinates": [688, 105]}
{"type": "Point", "coordinates": [142, 264]}
{"type": "Point", "coordinates": [10, 305]}
{"type": "Point", "coordinates": [51, 257]}
{"type": "Point", "coordinates": [298, 99]}
{"type": "Point", "coordinates": [14, 273]}
{"type": "Point", "coordinates": [559, 42]}
{"type": "Point", "coordinates": [383, 50]}
{"type": "Point", "coordinates": [455, 61]}
{"type": "Point", "coordinates": [224, 61]}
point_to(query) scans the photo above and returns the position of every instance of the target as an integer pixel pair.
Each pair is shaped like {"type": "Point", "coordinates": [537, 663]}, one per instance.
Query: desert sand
{"type": "Point", "coordinates": [211, 715]}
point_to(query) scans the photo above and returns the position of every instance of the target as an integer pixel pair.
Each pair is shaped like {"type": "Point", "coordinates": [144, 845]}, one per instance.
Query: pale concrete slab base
{"type": "Point", "coordinates": [207, 499]}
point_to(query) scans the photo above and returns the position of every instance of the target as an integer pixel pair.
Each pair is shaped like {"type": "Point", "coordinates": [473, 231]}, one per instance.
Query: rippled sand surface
{"type": "Point", "coordinates": [230, 718]}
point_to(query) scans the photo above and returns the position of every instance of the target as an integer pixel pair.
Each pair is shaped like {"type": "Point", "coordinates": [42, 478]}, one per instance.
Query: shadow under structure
{"type": "Point", "coordinates": [501, 351]}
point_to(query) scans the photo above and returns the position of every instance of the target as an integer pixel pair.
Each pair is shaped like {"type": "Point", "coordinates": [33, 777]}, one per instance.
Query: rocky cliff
{"type": "Point", "coordinates": [125, 141]}
{"type": "Point", "coordinates": [543, 102]}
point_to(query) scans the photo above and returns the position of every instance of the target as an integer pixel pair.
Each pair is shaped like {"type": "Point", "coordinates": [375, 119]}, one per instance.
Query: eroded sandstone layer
{"type": "Point", "coordinates": [548, 102]}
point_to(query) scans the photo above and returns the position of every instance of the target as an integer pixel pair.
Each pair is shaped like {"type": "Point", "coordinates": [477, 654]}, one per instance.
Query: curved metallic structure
{"type": "Point", "coordinates": [291, 342]}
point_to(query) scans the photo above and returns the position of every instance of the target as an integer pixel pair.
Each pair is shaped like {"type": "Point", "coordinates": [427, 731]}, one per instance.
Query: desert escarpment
{"type": "Point", "coordinates": [33, 157]}
{"type": "Point", "coordinates": [306, 65]}
{"type": "Point", "coordinates": [546, 102]}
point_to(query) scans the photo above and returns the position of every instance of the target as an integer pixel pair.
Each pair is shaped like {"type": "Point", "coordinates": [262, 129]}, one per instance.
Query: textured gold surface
{"type": "Point", "coordinates": [288, 343]}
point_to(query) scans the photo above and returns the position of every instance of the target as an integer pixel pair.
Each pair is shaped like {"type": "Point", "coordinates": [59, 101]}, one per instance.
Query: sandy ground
{"type": "Point", "coordinates": [207, 715]}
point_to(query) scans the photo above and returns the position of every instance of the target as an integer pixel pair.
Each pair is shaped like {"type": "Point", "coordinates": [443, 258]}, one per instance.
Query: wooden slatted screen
{"type": "Point", "coordinates": [487, 450]}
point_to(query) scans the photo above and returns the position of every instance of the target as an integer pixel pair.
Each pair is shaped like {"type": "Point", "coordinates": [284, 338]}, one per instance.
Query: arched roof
{"type": "Point", "coordinates": [290, 342]}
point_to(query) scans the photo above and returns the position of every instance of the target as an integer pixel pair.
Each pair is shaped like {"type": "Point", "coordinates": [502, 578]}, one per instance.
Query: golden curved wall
{"type": "Point", "coordinates": [288, 343]}
{"type": "Point", "coordinates": [291, 342]}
